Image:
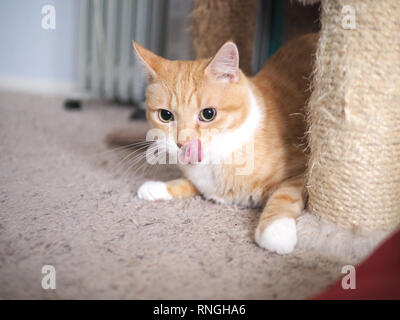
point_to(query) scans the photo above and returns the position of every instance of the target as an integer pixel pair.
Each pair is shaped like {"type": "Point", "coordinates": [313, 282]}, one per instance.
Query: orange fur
{"type": "Point", "coordinates": [181, 188]}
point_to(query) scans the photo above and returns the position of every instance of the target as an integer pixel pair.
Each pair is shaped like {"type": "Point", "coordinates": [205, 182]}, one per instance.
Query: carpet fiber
{"type": "Point", "coordinates": [67, 201]}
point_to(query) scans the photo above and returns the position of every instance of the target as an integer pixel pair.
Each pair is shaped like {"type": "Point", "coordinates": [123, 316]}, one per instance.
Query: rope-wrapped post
{"type": "Point", "coordinates": [354, 115]}
{"type": "Point", "coordinates": [216, 21]}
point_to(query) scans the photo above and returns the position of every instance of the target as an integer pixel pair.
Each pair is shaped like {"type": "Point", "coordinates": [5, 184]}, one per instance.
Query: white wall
{"type": "Point", "coordinates": [34, 58]}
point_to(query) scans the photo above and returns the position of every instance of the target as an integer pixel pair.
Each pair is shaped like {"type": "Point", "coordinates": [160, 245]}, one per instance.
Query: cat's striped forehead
{"type": "Point", "coordinates": [180, 82]}
{"type": "Point", "coordinates": [183, 79]}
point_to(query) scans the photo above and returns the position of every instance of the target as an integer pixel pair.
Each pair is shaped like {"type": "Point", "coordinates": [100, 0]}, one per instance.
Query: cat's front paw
{"type": "Point", "coordinates": [154, 190]}
{"type": "Point", "coordinates": [280, 236]}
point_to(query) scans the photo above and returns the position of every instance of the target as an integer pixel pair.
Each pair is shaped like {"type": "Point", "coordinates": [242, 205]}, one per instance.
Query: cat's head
{"type": "Point", "coordinates": [199, 105]}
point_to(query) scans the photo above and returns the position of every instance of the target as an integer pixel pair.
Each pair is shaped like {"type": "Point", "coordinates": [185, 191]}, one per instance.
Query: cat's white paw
{"type": "Point", "coordinates": [154, 190]}
{"type": "Point", "coordinates": [279, 236]}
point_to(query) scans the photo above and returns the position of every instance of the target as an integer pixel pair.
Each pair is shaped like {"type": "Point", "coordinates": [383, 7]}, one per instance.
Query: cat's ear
{"type": "Point", "coordinates": [150, 61]}
{"type": "Point", "coordinates": [225, 64]}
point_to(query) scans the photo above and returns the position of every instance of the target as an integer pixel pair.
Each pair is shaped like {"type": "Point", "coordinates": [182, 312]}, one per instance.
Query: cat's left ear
{"type": "Point", "coordinates": [225, 64]}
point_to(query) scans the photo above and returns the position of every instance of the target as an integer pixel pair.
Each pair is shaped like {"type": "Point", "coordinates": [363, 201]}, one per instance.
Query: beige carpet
{"type": "Point", "coordinates": [64, 201]}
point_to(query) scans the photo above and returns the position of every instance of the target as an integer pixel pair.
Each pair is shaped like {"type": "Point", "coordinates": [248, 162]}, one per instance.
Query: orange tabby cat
{"type": "Point", "coordinates": [211, 114]}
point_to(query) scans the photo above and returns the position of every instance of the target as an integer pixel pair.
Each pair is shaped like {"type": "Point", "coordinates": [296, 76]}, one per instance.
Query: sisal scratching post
{"type": "Point", "coordinates": [216, 21]}
{"type": "Point", "coordinates": [354, 117]}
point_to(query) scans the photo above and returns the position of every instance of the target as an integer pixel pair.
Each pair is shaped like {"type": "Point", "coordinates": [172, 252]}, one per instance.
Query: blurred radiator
{"type": "Point", "coordinates": [107, 65]}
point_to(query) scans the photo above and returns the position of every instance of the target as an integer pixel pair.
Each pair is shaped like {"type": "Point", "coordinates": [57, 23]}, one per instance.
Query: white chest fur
{"type": "Point", "coordinates": [206, 178]}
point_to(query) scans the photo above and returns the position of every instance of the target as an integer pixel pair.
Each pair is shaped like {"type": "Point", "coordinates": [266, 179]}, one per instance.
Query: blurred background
{"type": "Point", "coordinates": [86, 50]}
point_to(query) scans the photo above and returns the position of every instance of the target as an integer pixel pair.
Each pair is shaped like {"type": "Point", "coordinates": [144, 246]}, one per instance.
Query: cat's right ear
{"type": "Point", "coordinates": [150, 61]}
{"type": "Point", "coordinates": [225, 64]}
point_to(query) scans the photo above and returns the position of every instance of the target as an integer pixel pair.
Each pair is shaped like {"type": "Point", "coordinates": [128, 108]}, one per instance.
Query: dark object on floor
{"type": "Point", "coordinates": [377, 277]}
{"type": "Point", "coordinates": [72, 104]}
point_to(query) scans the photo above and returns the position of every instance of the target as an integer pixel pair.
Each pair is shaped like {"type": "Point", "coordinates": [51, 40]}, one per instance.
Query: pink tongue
{"type": "Point", "coordinates": [193, 152]}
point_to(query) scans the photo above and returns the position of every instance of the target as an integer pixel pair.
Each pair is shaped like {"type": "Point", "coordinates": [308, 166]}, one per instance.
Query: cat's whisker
{"type": "Point", "coordinates": [131, 163]}
{"type": "Point", "coordinates": [120, 148]}
{"type": "Point", "coordinates": [121, 163]}
{"type": "Point", "coordinates": [146, 166]}
{"type": "Point", "coordinates": [137, 159]}
{"type": "Point", "coordinates": [139, 165]}
{"type": "Point", "coordinates": [128, 157]}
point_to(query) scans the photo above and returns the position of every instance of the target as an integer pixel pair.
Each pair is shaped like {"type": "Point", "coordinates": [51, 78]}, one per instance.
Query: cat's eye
{"type": "Point", "coordinates": [207, 114]}
{"type": "Point", "coordinates": [165, 115]}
